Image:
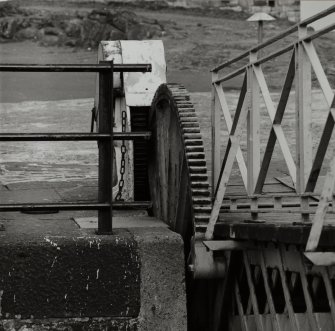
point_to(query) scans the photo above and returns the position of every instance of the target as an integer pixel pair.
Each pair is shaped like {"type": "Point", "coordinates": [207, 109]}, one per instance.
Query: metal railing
{"type": "Point", "coordinates": [105, 138]}
{"type": "Point", "coordinates": [303, 169]}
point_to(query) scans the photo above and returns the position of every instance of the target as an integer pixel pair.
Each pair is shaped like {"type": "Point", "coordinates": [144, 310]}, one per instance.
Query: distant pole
{"type": "Point", "coordinates": [260, 18]}
{"type": "Point", "coordinates": [260, 32]}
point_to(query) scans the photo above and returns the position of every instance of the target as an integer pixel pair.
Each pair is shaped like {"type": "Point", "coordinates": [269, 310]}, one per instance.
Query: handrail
{"type": "Point", "coordinates": [100, 67]}
{"type": "Point", "coordinates": [78, 136]}
{"type": "Point", "coordinates": [276, 53]}
{"type": "Point", "coordinates": [274, 39]}
{"type": "Point", "coordinates": [305, 166]}
{"type": "Point", "coordinates": [105, 136]}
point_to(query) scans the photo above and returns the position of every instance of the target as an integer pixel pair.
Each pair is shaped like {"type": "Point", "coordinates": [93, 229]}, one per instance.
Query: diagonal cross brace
{"type": "Point", "coordinates": [276, 116]}
{"type": "Point", "coordinates": [231, 152]}
{"type": "Point", "coordinates": [229, 124]}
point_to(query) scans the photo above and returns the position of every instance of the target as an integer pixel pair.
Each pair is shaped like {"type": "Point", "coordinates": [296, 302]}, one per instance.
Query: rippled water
{"type": "Point", "coordinates": [47, 161]}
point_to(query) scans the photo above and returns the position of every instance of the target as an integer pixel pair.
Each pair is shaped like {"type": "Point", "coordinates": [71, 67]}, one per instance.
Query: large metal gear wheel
{"type": "Point", "coordinates": [177, 165]}
{"type": "Point", "coordinates": [178, 181]}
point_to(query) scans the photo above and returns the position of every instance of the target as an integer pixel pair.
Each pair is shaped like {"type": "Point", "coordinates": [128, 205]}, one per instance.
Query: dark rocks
{"type": "Point", "coordinates": [8, 27]}
{"type": "Point", "coordinates": [27, 33]}
{"type": "Point", "coordinates": [76, 30]}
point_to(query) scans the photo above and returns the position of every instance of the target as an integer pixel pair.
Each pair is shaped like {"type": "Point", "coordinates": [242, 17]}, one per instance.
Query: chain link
{"type": "Point", "coordinates": [118, 196]}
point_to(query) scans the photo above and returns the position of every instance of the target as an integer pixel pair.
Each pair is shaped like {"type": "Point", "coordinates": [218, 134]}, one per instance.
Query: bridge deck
{"type": "Point", "coordinates": [285, 227]}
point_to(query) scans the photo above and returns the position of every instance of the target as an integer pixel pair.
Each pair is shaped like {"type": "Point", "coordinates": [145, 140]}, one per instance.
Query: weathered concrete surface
{"type": "Point", "coordinates": [57, 276]}
{"type": "Point", "coordinates": [163, 305]}
{"type": "Point", "coordinates": [75, 275]}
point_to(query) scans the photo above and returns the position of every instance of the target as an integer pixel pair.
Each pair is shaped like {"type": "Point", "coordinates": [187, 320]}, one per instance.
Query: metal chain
{"type": "Point", "coordinates": [118, 196]}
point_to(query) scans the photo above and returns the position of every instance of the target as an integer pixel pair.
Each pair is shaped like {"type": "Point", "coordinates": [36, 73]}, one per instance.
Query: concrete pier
{"type": "Point", "coordinates": [55, 275]}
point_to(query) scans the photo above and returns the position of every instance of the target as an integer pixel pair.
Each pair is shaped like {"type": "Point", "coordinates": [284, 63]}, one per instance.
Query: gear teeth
{"type": "Point", "coordinates": [199, 177]}
{"type": "Point", "coordinates": [203, 185]}
{"type": "Point", "coordinates": [193, 136]}
{"type": "Point", "coordinates": [189, 117]}
{"type": "Point", "coordinates": [193, 142]}
{"type": "Point", "coordinates": [195, 156]}
{"type": "Point", "coordinates": [198, 170]}
{"type": "Point", "coordinates": [204, 218]}
{"type": "Point", "coordinates": [191, 130]}
{"type": "Point", "coordinates": [185, 107]}
{"type": "Point", "coordinates": [194, 149]}
{"type": "Point", "coordinates": [186, 111]}
{"type": "Point", "coordinates": [197, 162]}
{"type": "Point", "coordinates": [202, 200]}
{"type": "Point", "coordinates": [201, 227]}
{"type": "Point", "coordinates": [196, 192]}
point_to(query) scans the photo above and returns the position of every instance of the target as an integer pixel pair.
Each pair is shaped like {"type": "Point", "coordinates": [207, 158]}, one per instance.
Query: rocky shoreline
{"type": "Point", "coordinates": [75, 29]}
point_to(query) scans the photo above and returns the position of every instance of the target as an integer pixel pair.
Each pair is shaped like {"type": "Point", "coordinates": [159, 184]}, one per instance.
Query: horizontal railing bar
{"type": "Point", "coordinates": [274, 39]}
{"type": "Point", "coordinates": [318, 16]}
{"type": "Point", "coordinates": [29, 207]}
{"type": "Point", "coordinates": [73, 136]}
{"type": "Point", "coordinates": [276, 53]}
{"type": "Point", "coordinates": [125, 205]}
{"type": "Point", "coordinates": [273, 195]}
{"type": "Point", "coordinates": [270, 210]}
{"type": "Point", "coordinates": [231, 75]}
{"type": "Point", "coordinates": [260, 61]}
{"type": "Point", "coordinates": [247, 207]}
{"type": "Point", "coordinates": [75, 67]}
{"type": "Point", "coordinates": [319, 33]}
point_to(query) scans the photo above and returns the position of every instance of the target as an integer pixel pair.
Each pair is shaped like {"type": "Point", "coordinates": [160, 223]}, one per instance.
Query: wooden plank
{"type": "Point", "coordinates": [308, 300]}
{"type": "Point", "coordinates": [221, 292]}
{"type": "Point", "coordinates": [259, 321]}
{"type": "Point", "coordinates": [253, 128]}
{"type": "Point", "coordinates": [216, 130]}
{"type": "Point", "coordinates": [244, 323]}
{"type": "Point", "coordinates": [321, 150]}
{"type": "Point", "coordinates": [323, 259]}
{"type": "Point", "coordinates": [319, 218]}
{"type": "Point", "coordinates": [226, 168]}
{"type": "Point", "coordinates": [303, 114]}
{"type": "Point", "coordinates": [228, 245]}
{"type": "Point", "coordinates": [319, 72]}
{"type": "Point", "coordinates": [276, 229]}
{"type": "Point", "coordinates": [274, 317]}
{"type": "Point", "coordinates": [288, 300]}
{"type": "Point", "coordinates": [330, 293]}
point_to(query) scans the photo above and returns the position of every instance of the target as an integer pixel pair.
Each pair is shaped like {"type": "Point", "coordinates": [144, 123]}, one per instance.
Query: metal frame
{"type": "Point", "coordinates": [304, 171]}
{"type": "Point", "coordinates": [105, 138]}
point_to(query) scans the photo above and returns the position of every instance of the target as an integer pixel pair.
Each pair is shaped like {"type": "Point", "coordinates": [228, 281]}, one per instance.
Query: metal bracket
{"type": "Point", "coordinates": [203, 263]}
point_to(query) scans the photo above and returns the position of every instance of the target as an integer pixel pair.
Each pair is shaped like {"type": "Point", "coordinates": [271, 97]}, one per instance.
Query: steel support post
{"type": "Point", "coordinates": [106, 149]}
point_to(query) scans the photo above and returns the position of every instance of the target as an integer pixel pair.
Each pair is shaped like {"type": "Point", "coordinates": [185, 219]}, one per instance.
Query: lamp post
{"type": "Point", "coordinates": [260, 18]}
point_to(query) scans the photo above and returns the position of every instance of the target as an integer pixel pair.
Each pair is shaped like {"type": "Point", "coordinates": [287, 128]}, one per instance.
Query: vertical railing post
{"type": "Point", "coordinates": [253, 121]}
{"type": "Point", "coordinates": [215, 123]}
{"type": "Point", "coordinates": [106, 149]}
{"type": "Point", "coordinates": [303, 113]}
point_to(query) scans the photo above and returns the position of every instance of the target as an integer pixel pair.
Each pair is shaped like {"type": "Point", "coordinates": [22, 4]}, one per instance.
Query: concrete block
{"type": "Point", "coordinates": [131, 280]}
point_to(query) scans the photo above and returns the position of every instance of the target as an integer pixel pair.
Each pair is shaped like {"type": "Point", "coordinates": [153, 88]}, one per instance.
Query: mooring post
{"type": "Point", "coordinates": [106, 149]}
